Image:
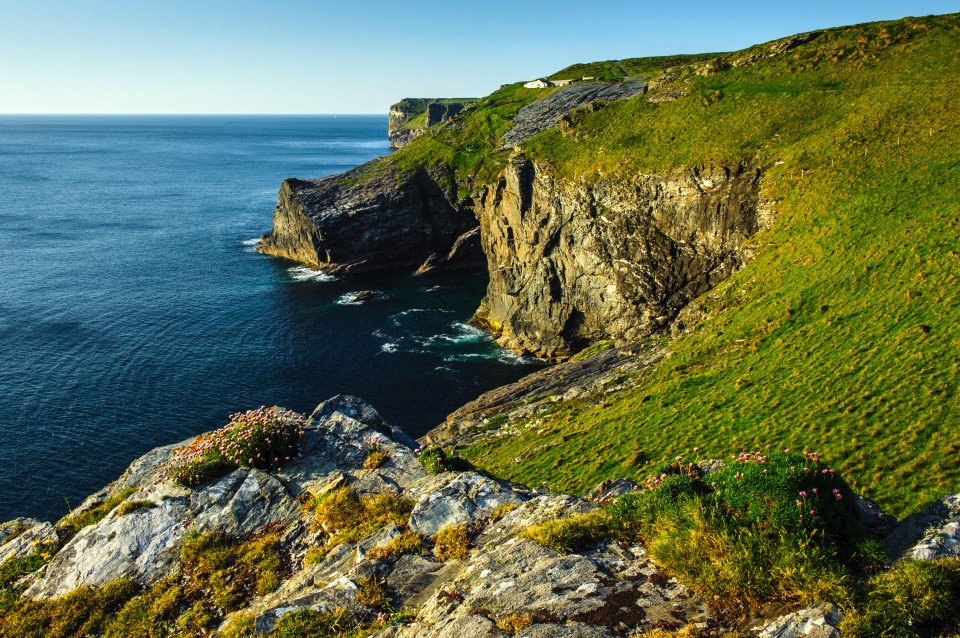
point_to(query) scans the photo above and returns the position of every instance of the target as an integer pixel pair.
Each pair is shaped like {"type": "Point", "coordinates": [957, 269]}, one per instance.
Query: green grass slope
{"type": "Point", "coordinates": [843, 334]}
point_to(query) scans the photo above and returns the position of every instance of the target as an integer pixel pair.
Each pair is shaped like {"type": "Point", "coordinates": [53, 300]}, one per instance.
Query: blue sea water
{"type": "Point", "coordinates": [135, 312]}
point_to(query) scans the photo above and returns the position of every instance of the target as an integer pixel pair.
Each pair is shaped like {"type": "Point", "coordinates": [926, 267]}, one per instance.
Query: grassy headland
{"type": "Point", "coordinates": [842, 335]}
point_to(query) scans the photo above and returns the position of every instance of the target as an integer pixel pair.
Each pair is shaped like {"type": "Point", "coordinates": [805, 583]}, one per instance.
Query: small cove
{"type": "Point", "coordinates": [135, 312]}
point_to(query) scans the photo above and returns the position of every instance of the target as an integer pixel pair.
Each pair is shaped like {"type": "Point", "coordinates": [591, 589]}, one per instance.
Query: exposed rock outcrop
{"type": "Point", "coordinates": [515, 406]}
{"type": "Point", "coordinates": [572, 262]}
{"type": "Point", "coordinates": [428, 111]}
{"type": "Point", "coordinates": [372, 218]}
{"type": "Point", "coordinates": [820, 621]}
{"type": "Point", "coordinates": [928, 535]}
{"type": "Point", "coordinates": [502, 583]}
{"type": "Point", "coordinates": [543, 114]}
{"type": "Point", "coordinates": [606, 588]}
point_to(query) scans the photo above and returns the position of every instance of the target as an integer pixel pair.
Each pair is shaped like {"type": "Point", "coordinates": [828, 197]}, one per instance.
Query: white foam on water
{"type": "Point", "coordinates": [251, 244]}
{"type": "Point", "coordinates": [512, 358]}
{"type": "Point", "coordinates": [388, 347]}
{"type": "Point", "coordinates": [466, 357]}
{"type": "Point", "coordinates": [305, 273]}
{"type": "Point", "coordinates": [348, 299]}
{"type": "Point", "coordinates": [465, 333]}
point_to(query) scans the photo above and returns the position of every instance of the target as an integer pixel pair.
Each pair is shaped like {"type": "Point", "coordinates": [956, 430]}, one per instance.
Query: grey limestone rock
{"type": "Point", "coordinates": [541, 115]}
{"type": "Point", "coordinates": [456, 499]}
{"type": "Point", "coordinates": [930, 534]}
{"type": "Point", "coordinates": [21, 537]}
{"type": "Point", "coordinates": [142, 545]}
{"type": "Point", "coordinates": [241, 503]}
{"type": "Point", "coordinates": [819, 621]}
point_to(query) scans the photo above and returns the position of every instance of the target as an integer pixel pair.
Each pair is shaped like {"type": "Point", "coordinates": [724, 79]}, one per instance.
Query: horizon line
{"type": "Point", "coordinates": [188, 114]}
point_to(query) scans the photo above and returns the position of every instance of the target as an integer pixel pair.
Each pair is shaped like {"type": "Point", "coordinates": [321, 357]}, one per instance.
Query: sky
{"type": "Point", "coordinates": [359, 56]}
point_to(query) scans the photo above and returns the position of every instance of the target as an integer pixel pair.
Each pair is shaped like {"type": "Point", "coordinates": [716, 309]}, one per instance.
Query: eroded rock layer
{"type": "Point", "coordinates": [369, 220]}
{"type": "Point", "coordinates": [572, 262]}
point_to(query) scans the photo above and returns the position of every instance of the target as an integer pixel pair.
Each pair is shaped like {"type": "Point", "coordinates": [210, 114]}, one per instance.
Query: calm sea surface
{"type": "Point", "coordinates": [134, 311]}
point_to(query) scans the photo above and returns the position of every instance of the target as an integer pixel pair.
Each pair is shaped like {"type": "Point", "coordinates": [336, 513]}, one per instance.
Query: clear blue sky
{"type": "Point", "coordinates": [197, 56]}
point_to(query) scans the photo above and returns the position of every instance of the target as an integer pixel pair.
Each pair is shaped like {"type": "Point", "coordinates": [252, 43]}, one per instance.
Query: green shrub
{"type": "Point", "coordinates": [133, 506]}
{"type": "Point", "coordinates": [228, 572]}
{"type": "Point", "coordinates": [375, 457]}
{"type": "Point", "coordinates": [321, 624]}
{"type": "Point", "coordinates": [762, 528]}
{"type": "Point", "coordinates": [152, 614]}
{"type": "Point", "coordinates": [84, 611]}
{"type": "Point", "coordinates": [570, 534]}
{"type": "Point", "coordinates": [242, 625]}
{"type": "Point", "coordinates": [515, 623]}
{"type": "Point", "coordinates": [347, 517]}
{"type": "Point", "coordinates": [435, 460]}
{"type": "Point", "coordinates": [914, 598]}
{"type": "Point", "coordinates": [451, 543]}
{"type": "Point", "coordinates": [372, 593]}
{"type": "Point", "coordinates": [406, 542]}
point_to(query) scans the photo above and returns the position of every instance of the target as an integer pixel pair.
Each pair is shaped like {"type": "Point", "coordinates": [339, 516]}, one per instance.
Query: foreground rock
{"type": "Point", "coordinates": [602, 591]}
{"type": "Point", "coordinates": [820, 621]}
{"type": "Point", "coordinates": [928, 535]}
{"type": "Point", "coordinates": [496, 583]}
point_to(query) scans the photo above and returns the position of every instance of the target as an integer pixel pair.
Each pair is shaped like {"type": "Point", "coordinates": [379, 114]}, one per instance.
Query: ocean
{"type": "Point", "coordinates": [135, 312]}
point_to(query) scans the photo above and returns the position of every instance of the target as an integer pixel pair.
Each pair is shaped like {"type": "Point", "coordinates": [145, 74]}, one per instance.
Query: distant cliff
{"type": "Point", "coordinates": [410, 117]}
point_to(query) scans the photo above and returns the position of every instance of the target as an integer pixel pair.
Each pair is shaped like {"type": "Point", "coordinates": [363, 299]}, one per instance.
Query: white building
{"type": "Point", "coordinates": [539, 83]}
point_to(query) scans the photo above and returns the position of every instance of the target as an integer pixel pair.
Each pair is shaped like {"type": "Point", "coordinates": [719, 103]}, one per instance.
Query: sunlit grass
{"type": "Point", "coordinates": [842, 334]}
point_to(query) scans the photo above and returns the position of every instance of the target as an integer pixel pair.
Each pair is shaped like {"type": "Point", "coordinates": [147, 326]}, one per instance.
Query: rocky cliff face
{"type": "Point", "coordinates": [401, 113]}
{"type": "Point", "coordinates": [363, 221]}
{"type": "Point", "coordinates": [572, 262]}
{"type": "Point", "coordinates": [429, 111]}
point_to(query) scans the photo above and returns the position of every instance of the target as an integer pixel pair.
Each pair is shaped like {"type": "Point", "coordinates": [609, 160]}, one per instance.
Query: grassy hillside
{"type": "Point", "coordinates": [632, 67]}
{"type": "Point", "coordinates": [468, 149]}
{"type": "Point", "coordinates": [843, 334]}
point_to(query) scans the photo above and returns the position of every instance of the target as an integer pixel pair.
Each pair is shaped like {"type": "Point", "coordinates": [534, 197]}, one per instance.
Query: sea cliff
{"type": "Point", "coordinates": [747, 265]}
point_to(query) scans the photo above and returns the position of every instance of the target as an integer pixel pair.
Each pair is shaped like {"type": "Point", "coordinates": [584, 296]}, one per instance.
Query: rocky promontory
{"type": "Point", "coordinates": [372, 218]}
{"type": "Point", "coordinates": [363, 530]}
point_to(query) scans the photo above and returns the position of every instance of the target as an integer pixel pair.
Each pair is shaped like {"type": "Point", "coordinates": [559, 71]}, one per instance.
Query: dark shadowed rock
{"type": "Point", "coordinates": [575, 262]}
{"type": "Point", "coordinates": [930, 534]}
{"type": "Point", "coordinates": [372, 218]}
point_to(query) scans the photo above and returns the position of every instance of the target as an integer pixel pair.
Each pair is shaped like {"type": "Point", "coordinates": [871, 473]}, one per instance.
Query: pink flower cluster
{"type": "Point", "coordinates": [752, 457]}
{"type": "Point", "coordinates": [264, 438]}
